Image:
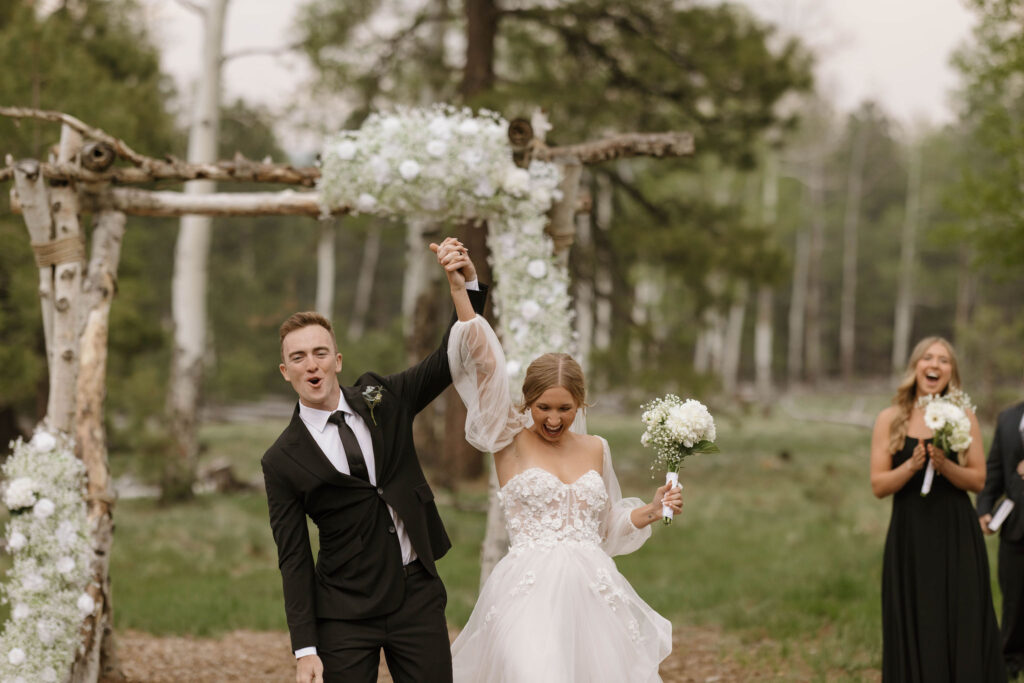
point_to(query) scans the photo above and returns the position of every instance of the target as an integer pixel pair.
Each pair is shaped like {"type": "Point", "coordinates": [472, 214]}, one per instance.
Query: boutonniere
{"type": "Point", "coordinates": [373, 396]}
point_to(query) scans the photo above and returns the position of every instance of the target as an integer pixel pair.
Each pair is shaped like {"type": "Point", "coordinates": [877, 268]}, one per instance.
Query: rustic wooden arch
{"type": "Point", "coordinates": [77, 286]}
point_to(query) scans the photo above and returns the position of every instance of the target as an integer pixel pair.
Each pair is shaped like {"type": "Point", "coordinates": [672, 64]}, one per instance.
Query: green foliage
{"type": "Point", "coordinates": [992, 115]}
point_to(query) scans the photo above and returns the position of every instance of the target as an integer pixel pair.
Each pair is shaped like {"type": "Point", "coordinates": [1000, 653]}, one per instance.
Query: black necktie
{"type": "Point", "coordinates": [354, 454]}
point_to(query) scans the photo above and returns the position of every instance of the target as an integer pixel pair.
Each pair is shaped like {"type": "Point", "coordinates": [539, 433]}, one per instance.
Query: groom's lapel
{"type": "Point", "coordinates": [304, 451]}
{"type": "Point", "coordinates": [354, 397]}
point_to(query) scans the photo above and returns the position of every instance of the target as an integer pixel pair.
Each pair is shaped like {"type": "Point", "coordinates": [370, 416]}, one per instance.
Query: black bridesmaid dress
{"type": "Point", "coordinates": [938, 622]}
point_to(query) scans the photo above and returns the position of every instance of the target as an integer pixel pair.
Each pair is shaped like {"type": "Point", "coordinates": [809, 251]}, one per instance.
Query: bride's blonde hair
{"type": "Point", "coordinates": [906, 392]}
{"type": "Point", "coordinates": [554, 370]}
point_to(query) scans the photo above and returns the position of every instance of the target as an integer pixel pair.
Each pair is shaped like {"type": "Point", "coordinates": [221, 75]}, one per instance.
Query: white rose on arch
{"type": "Point", "coordinates": [366, 203]}
{"type": "Point", "coordinates": [85, 604]}
{"type": "Point", "coordinates": [537, 268]}
{"type": "Point", "coordinates": [346, 150]}
{"type": "Point", "coordinates": [17, 541]}
{"type": "Point", "coordinates": [44, 508]}
{"type": "Point", "coordinates": [516, 181]}
{"type": "Point", "coordinates": [409, 169]}
{"type": "Point", "coordinates": [529, 309]}
{"type": "Point", "coordinates": [437, 148]}
{"type": "Point", "coordinates": [44, 442]}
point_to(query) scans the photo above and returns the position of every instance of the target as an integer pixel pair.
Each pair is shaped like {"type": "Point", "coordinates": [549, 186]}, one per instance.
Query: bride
{"type": "Point", "coordinates": [555, 608]}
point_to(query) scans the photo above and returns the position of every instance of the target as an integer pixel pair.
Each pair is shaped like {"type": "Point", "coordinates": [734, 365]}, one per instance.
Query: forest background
{"type": "Point", "coordinates": [800, 250]}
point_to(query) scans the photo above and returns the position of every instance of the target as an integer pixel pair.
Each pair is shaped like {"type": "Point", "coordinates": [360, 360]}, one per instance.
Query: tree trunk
{"type": "Point", "coordinates": [421, 310]}
{"type": "Point", "coordinates": [364, 285]}
{"type": "Point", "coordinates": [325, 268]}
{"type": "Point", "coordinates": [462, 461]}
{"type": "Point", "coordinates": [851, 221]}
{"type": "Point", "coordinates": [188, 284]}
{"type": "Point", "coordinates": [798, 308]}
{"type": "Point", "coordinates": [763, 334]}
{"type": "Point", "coordinates": [765, 322]}
{"type": "Point", "coordinates": [814, 284]}
{"type": "Point", "coordinates": [481, 29]}
{"type": "Point", "coordinates": [732, 343]}
{"type": "Point", "coordinates": [603, 281]}
{"type": "Point", "coordinates": [904, 313]}
{"type": "Point", "coordinates": [966, 290]}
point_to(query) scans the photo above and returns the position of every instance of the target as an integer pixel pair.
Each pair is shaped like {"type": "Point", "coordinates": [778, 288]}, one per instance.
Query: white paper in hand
{"type": "Point", "coordinates": [1001, 513]}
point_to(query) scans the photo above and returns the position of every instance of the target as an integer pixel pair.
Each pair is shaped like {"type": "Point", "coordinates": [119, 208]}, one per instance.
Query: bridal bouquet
{"type": "Point", "coordinates": [947, 417]}
{"type": "Point", "coordinates": [676, 429]}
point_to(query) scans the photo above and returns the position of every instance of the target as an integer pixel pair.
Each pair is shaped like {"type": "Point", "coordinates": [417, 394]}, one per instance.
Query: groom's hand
{"type": "Point", "coordinates": [309, 669]}
{"type": "Point", "coordinates": [454, 258]}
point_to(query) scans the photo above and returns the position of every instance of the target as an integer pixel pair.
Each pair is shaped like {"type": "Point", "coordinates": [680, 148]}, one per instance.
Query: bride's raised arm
{"type": "Point", "coordinates": [477, 364]}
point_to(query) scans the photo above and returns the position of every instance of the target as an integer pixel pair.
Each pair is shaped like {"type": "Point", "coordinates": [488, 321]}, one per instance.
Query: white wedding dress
{"type": "Point", "coordinates": [555, 609]}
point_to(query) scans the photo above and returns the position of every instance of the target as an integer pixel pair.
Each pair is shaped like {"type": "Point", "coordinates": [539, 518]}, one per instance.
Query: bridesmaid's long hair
{"type": "Point", "coordinates": [554, 370]}
{"type": "Point", "coordinates": [906, 392]}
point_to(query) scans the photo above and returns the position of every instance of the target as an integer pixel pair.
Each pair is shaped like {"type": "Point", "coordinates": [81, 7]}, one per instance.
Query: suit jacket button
{"type": "Point", "coordinates": [391, 529]}
{"type": "Point", "coordinates": [380, 491]}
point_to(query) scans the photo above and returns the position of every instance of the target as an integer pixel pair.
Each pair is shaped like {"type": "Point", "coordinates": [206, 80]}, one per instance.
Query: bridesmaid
{"type": "Point", "coordinates": [938, 623]}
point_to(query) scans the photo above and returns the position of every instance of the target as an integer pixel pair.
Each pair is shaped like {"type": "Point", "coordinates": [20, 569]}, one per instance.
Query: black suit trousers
{"type": "Point", "coordinates": [1011, 583]}
{"type": "Point", "coordinates": [414, 638]}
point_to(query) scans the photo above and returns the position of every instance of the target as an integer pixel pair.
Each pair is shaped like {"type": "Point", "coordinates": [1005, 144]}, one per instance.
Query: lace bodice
{"type": "Point", "coordinates": [542, 511]}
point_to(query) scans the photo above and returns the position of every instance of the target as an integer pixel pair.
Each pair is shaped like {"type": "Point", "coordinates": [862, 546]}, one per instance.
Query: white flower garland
{"type": "Point", "coordinates": [445, 163]}
{"type": "Point", "coordinates": [48, 538]}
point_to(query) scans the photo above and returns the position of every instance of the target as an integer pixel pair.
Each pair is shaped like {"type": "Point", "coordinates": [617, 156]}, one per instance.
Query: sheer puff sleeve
{"type": "Point", "coordinates": [478, 372]}
{"type": "Point", "coordinates": [618, 534]}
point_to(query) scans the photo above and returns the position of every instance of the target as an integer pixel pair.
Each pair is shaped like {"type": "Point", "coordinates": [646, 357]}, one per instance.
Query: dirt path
{"type": "Point", "coordinates": [699, 656]}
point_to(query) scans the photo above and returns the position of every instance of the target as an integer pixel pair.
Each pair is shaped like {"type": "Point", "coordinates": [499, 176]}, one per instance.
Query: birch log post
{"type": "Point", "coordinates": [67, 278]}
{"type": "Point", "coordinates": [33, 198]}
{"type": "Point", "coordinates": [97, 655]}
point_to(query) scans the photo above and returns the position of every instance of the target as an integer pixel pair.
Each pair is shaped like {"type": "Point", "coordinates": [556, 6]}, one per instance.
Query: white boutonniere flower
{"type": "Point", "coordinates": [373, 395]}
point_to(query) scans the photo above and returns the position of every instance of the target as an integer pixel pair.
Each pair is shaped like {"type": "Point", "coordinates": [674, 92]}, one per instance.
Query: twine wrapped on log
{"type": "Point", "coordinates": [70, 249]}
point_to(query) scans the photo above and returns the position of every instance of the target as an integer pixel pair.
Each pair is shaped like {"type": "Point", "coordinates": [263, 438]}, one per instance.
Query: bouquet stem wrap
{"type": "Point", "coordinates": [929, 475]}
{"type": "Point", "coordinates": [666, 511]}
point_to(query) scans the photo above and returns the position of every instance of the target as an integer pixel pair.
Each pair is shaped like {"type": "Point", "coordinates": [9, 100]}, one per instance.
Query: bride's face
{"type": "Point", "coordinates": [553, 413]}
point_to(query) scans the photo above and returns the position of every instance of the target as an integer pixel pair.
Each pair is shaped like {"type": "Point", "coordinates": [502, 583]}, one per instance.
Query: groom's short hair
{"type": "Point", "coordinates": [296, 321]}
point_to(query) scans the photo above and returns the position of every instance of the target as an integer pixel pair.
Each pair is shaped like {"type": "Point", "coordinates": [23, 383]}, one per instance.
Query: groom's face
{"type": "Point", "coordinates": [310, 364]}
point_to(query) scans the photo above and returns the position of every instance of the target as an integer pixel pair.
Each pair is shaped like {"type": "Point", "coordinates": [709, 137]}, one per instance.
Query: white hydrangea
{"type": "Point", "coordinates": [51, 569]}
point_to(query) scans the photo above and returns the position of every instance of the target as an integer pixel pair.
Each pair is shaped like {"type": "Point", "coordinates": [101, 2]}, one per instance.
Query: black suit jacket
{"type": "Point", "coordinates": [358, 572]}
{"type": "Point", "coordinates": [1001, 473]}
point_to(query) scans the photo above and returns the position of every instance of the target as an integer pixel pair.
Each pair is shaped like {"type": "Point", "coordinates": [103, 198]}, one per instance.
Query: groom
{"type": "Point", "coordinates": [1005, 475]}
{"type": "Point", "coordinates": [347, 461]}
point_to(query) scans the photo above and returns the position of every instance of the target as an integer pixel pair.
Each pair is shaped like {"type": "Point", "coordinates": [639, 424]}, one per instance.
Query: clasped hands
{"type": "Point", "coordinates": [931, 452]}
{"type": "Point", "coordinates": [454, 258]}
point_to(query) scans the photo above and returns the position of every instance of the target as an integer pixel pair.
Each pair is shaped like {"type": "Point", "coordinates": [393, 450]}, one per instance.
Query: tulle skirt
{"type": "Point", "coordinates": [560, 615]}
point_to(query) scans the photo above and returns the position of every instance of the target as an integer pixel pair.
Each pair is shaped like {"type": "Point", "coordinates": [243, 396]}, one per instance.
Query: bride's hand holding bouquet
{"type": "Point", "coordinates": [947, 417]}
{"type": "Point", "coordinates": [675, 429]}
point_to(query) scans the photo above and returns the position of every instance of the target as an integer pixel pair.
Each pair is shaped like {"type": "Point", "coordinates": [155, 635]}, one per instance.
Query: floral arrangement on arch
{"type": "Point", "coordinates": [48, 539]}
{"type": "Point", "coordinates": [447, 163]}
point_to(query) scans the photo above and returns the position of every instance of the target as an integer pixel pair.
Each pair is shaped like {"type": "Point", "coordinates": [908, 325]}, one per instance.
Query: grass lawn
{"type": "Point", "coordinates": [780, 539]}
